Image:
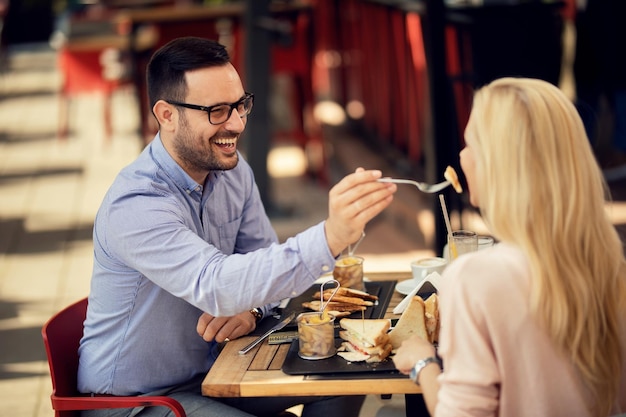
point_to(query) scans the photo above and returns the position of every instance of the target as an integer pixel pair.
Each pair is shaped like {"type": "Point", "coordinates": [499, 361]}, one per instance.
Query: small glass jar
{"type": "Point", "coordinates": [348, 272]}
{"type": "Point", "coordinates": [316, 335]}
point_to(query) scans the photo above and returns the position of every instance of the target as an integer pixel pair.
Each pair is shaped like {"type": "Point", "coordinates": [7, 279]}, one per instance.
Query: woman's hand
{"type": "Point", "coordinates": [412, 350]}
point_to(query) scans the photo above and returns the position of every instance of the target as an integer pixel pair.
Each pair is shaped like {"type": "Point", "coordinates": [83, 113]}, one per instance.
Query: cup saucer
{"type": "Point", "coordinates": [405, 287]}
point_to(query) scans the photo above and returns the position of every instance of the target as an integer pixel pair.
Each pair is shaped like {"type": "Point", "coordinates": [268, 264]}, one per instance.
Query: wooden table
{"type": "Point", "coordinates": [258, 373]}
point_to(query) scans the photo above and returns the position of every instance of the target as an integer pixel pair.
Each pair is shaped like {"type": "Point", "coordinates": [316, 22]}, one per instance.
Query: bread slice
{"type": "Point", "coordinates": [450, 175]}
{"type": "Point", "coordinates": [351, 292]}
{"type": "Point", "coordinates": [364, 346]}
{"type": "Point", "coordinates": [352, 356]}
{"type": "Point", "coordinates": [381, 356]}
{"type": "Point", "coordinates": [357, 353]}
{"type": "Point", "coordinates": [370, 331]}
{"type": "Point", "coordinates": [315, 305]}
{"type": "Point", "coordinates": [431, 316]}
{"type": "Point", "coordinates": [411, 322]}
{"type": "Point", "coordinates": [344, 299]}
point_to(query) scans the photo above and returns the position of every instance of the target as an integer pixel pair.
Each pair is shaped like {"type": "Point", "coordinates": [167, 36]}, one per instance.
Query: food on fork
{"type": "Point", "coordinates": [450, 175]}
{"type": "Point", "coordinates": [364, 340]}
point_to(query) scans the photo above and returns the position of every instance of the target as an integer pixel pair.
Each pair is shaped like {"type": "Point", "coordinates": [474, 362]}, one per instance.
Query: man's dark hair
{"type": "Point", "coordinates": [167, 67]}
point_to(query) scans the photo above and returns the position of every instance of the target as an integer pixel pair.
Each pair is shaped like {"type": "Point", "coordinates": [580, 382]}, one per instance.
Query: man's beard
{"type": "Point", "coordinates": [199, 155]}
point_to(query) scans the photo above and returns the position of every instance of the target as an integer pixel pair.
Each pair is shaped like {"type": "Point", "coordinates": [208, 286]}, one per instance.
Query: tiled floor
{"type": "Point", "coordinates": [50, 191]}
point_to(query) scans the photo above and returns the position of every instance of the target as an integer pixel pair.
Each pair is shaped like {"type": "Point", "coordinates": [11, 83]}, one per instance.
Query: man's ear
{"type": "Point", "coordinates": [165, 115]}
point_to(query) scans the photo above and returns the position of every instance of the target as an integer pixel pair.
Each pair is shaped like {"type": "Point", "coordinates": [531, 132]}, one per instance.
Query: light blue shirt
{"type": "Point", "coordinates": [166, 249]}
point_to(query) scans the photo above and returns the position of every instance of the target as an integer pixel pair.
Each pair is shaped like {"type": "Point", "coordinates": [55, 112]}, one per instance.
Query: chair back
{"type": "Point", "coordinates": [61, 337]}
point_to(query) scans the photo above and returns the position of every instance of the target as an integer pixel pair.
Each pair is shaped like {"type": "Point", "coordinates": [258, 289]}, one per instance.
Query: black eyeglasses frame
{"type": "Point", "coordinates": [208, 109]}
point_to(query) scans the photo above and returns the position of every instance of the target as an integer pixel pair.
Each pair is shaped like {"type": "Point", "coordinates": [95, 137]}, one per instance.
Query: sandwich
{"type": "Point", "coordinates": [419, 318]}
{"type": "Point", "coordinates": [450, 175]}
{"type": "Point", "coordinates": [364, 340]}
{"type": "Point", "coordinates": [431, 317]}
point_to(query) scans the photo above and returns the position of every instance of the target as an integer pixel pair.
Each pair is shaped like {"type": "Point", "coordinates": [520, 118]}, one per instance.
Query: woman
{"type": "Point", "coordinates": [534, 326]}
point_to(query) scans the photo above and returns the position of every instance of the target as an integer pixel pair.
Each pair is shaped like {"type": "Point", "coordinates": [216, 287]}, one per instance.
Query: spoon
{"type": "Point", "coordinates": [352, 249]}
{"type": "Point", "coordinates": [422, 186]}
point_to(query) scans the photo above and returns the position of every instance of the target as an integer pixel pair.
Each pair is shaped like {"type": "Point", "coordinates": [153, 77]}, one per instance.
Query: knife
{"type": "Point", "coordinates": [279, 326]}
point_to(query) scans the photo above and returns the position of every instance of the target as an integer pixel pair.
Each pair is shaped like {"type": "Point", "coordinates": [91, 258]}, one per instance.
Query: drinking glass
{"type": "Point", "coordinates": [485, 242]}
{"type": "Point", "coordinates": [461, 242]}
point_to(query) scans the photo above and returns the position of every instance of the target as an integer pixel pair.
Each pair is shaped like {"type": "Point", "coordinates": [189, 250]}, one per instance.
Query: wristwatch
{"type": "Point", "coordinates": [257, 313]}
{"type": "Point", "coordinates": [420, 365]}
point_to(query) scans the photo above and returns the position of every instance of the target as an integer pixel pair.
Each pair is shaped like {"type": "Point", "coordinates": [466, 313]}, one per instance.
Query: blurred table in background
{"type": "Point", "coordinates": [291, 56]}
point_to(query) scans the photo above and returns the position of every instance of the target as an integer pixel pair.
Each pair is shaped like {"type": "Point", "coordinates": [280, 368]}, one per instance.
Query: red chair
{"type": "Point", "coordinates": [61, 337]}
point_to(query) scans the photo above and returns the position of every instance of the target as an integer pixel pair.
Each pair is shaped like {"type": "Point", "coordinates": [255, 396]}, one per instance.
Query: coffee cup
{"type": "Point", "coordinates": [421, 268]}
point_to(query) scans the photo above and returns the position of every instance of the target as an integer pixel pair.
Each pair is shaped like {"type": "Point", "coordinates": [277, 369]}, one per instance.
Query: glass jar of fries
{"type": "Point", "coordinates": [316, 335]}
{"type": "Point", "coordinates": [349, 272]}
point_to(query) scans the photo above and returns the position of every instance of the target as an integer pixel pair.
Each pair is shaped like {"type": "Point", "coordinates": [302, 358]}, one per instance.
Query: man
{"type": "Point", "coordinates": [182, 246]}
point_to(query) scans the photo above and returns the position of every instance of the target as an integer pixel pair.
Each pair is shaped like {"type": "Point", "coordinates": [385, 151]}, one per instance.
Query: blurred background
{"type": "Point", "coordinates": [338, 84]}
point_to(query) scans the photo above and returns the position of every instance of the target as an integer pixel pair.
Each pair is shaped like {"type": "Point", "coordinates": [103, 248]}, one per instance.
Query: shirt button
{"type": "Point", "coordinates": [325, 268]}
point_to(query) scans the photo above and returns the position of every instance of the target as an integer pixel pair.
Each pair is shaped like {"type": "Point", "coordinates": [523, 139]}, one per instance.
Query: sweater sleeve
{"type": "Point", "coordinates": [469, 383]}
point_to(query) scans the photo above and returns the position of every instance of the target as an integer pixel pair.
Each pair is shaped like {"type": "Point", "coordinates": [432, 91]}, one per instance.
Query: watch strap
{"type": "Point", "coordinates": [257, 313]}
{"type": "Point", "coordinates": [420, 365]}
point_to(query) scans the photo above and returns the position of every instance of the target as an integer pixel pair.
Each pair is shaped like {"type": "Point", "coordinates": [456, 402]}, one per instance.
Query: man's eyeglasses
{"type": "Point", "coordinates": [220, 113]}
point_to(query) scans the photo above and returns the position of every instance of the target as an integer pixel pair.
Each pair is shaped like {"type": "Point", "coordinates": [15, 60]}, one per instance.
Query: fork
{"type": "Point", "coordinates": [422, 186]}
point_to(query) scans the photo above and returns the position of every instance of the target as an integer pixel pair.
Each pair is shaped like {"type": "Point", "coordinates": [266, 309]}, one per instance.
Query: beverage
{"type": "Point", "coordinates": [462, 241]}
{"type": "Point", "coordinates": [421, 268]}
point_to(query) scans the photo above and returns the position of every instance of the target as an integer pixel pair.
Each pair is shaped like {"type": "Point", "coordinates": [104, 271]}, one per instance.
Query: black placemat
{"type": "Point", "coordinates": [336, 366]}
{"type": "Point", "coordinates": [382, 289]}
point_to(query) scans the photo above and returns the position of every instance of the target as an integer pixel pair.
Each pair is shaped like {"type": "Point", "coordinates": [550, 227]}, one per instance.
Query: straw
{"type": "Point", "coordinates": [445, 214]}
{"type": "Point", "coordinates": [446, 217]}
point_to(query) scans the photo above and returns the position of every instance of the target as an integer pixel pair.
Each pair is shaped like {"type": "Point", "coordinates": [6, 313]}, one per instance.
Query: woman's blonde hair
{"type": "Point", "coordinates": [542, 190]}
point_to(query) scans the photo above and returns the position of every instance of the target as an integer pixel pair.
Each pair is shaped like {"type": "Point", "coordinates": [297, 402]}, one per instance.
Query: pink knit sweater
{"type": "Point", "coordinates": [497, 362]}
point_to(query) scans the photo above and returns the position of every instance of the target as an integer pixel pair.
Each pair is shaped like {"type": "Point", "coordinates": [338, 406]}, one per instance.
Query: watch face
{"type": "Point", "coordinates": [256, 312]}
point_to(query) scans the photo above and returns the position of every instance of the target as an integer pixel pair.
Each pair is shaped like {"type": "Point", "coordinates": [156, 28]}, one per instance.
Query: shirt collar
{"type": "Point", "coordinates": [171, 167]}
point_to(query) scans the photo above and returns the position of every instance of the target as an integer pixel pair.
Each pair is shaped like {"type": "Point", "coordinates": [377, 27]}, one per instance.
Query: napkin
{"type": "Point", "coordinates": [433, 278]}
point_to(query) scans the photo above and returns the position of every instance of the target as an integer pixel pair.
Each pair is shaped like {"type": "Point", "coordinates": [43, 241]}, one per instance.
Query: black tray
{"type": "Point", "coordinates": [336, 366]}
{"type": "Point", "coordinates": [382, 289]}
